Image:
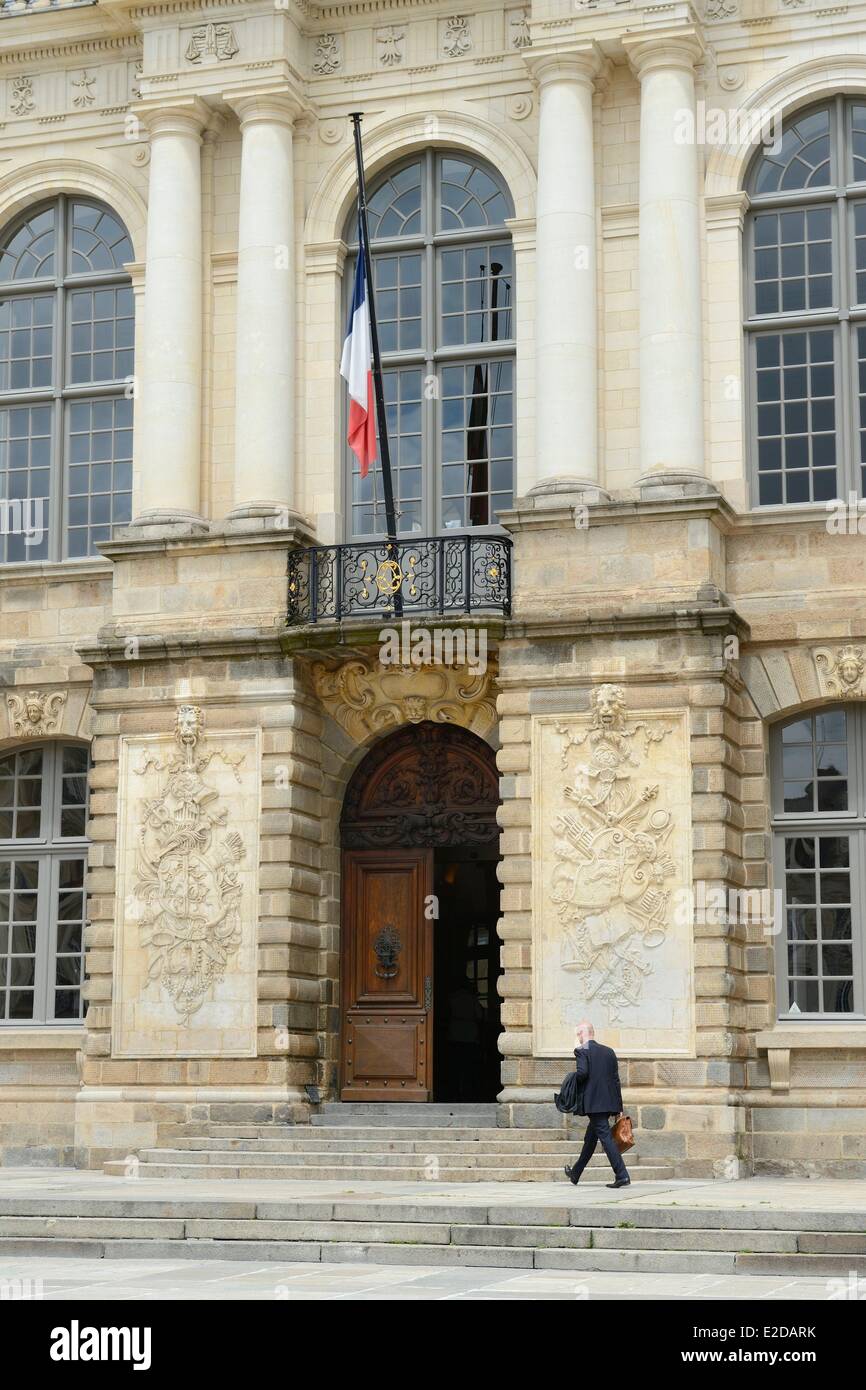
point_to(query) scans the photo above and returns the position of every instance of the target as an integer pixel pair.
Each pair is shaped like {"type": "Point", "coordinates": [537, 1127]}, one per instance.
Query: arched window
{"type": "Point", "coordinates": [806, 309]}
{"type": "Point", "coordinates": [43, 858]}
{"type": "Point", "coordinates": [819, 820]}
{"type": "Point", "coordinates": [66, 351]}
{"type": "Point", "coordinates": [444, 276]}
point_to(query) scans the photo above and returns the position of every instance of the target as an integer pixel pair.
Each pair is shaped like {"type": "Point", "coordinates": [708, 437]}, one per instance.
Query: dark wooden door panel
{"type": "Point", "coordinates": [387, 974]}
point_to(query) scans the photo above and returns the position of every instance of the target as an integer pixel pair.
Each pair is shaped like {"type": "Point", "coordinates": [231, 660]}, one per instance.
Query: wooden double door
{"type": "Point", "coordinates": [420, 1012]}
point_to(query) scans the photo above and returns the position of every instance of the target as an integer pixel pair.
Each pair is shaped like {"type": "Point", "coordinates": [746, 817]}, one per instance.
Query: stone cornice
{"type": "Point", "coordinates": [528, 518]}
{"type": "Point", "coordinates": [122, 46]}
{"type": "Point", "coordinates": [639, 621]}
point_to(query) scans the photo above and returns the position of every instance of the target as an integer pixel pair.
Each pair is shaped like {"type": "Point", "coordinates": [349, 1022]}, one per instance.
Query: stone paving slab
{"type": "Point", "coordinates": [76, 1280]}
{"type": "Point", "coordinates": [823, 1195]}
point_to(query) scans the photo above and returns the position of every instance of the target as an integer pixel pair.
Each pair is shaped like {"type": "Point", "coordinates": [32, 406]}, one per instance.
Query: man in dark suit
{"type": "Point", "coordinates": [599, 1097]}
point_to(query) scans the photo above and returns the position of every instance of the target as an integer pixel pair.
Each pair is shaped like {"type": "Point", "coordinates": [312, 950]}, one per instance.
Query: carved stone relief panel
{"type": "Point", "coordinates": [187, 893]}
{"type": "Point", "coordinates": [365, 697]}
{"type": "Point", "coordinates": [841, 670]}
{"type": "Point", "coordinates": [36, 713]}
{"type": "Point", "coordinates": [612, 933]}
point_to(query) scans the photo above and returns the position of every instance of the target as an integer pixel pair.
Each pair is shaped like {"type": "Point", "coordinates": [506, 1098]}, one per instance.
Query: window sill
{"type": "Point", "coordinates": [46, 1038]}
{"type": "Point", "coordinates": [779, 1042]}
{"type": "Point", "coordinates": [56, 569]}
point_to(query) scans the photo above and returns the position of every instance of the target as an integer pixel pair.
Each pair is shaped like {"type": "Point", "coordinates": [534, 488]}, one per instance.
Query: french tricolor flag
{"type": "Point", "coordinates": [356, 366]}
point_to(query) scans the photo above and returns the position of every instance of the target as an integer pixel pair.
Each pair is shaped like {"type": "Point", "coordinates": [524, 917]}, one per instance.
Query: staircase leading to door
{"type": "Point", "coordinates": [395, 1142]}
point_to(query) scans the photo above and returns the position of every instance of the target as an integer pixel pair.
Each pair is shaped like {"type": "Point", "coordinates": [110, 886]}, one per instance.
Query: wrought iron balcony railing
{"type": "Point", "coordinates": [429, 577]}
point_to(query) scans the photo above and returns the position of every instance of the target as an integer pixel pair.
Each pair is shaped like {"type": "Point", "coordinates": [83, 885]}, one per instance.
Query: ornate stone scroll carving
{"type": "Point", "coordinates": [457, 39]}
{"type": "Point", "coordinates": [185, 956]}
{"type": "Point", "coordinates": [611, 812]}
{"type": "Point", "coordinates": [21, 99]}
{"type": "Point", "coordinates": [326, 55]}
{"type": "Point", "coordinates": [366, 698]}
{"type": "Point", "coordinates": [36, 714]}
{"type": "Point", "coordinates": [841, 672]}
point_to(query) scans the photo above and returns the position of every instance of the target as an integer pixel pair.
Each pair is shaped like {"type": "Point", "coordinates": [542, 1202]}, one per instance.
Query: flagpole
{"type": "Point", "coordinates": [364, 250]}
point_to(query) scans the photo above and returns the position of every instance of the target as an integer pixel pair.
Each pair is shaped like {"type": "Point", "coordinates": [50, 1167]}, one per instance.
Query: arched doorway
{"type": "Point", "coordinates": [420, 956]}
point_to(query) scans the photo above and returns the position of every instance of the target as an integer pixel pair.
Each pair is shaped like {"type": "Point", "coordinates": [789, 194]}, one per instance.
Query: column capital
{"type": "Point", "coordinates": [674, 48]}
{"type": "Point", "coordinates": [276, 108]}
{"type": "Point", "coordinates": [580, 64]}
{"type": "Point", "coordinates": [173, 115]}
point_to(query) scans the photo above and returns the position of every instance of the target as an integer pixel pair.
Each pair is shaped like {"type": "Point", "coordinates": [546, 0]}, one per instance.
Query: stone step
{"type": "Point", "coordinates": [165, 1167]}
{"type": "Point", "coordinates": [461, 1156]}
{"type": "Point", "coordinates": [372, 1252]}
{"type": "Point", "coordinates": [437, 1231]}
{"type": "Point", "coordinates": [383, 1143]}
{"type": "Point", "coordinates": [395, 1232]}
{"type": "Point", "coordinates": [349, 1150]}
{"type": "Point", "coordinates": [828, 1232]}
{"type": "Point", "coordinates": [406, 1113]}
{"type": "Point", "coordinates": [447, 1135]}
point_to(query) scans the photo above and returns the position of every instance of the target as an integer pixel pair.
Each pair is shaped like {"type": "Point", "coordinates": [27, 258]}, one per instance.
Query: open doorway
{"type": "Point", "coordinates": [418, 989]}
{"type": "Point", "coordinates": [466, 969]}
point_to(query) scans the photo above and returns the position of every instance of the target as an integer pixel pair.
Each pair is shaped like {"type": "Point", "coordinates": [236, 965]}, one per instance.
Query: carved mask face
{"type": "Point", "coordinates": [33, 710]}
{"type": "Point", "coordinates": [189, 722]}
{"type": "Point", "coordinates": [608, 703]}
{"type": "Point", "coordinates": [849, 670]}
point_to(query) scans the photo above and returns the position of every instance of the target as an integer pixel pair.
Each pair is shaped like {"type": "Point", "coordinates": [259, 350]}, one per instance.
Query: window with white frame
{"type": "Point", "coordinates": [43, 860]}
{"type": "Point", "coordinates": [66, 361]}
{"type": "Point", "coordinates": [819, 824]}
{"type": "Point", "coordinates": [443, 271]}
{"type": "Point", "coordinates": [806, 308]}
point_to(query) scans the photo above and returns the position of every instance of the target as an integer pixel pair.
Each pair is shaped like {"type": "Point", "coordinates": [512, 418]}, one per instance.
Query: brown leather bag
{"type": "Point", "coordinates": [623, 1134]}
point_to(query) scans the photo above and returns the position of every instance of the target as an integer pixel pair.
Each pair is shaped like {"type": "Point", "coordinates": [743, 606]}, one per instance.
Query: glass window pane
{"type": "Point", "coordinates": [802, 160]}
{"type": "Point", "coordinates": [25, 441]}
{"type": "Point", "coordinates": [29, 252]}
{"type": "Point", "coordinates": [101, 444]}
{"type": "Point", "coordinates": [796, 417]}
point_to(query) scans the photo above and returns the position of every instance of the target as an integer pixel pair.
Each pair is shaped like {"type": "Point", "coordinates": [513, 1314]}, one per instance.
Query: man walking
{"type": "Point", "coordinates": [599, 1096]}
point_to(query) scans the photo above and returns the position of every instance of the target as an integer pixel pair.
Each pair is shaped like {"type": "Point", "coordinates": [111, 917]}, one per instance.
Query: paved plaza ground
{"type": "Point", "coordinates": [72, 1280]}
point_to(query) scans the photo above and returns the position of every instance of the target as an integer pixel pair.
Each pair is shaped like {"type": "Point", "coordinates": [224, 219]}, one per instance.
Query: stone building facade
{"type": "Point", "coordinates": [620, 253]}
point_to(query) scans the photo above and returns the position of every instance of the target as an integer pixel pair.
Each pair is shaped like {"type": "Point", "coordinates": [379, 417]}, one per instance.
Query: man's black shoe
{"type": "Point", "coordinates": [572, 1180]}
{"type": "Point", "coordinates": [620, 1182]}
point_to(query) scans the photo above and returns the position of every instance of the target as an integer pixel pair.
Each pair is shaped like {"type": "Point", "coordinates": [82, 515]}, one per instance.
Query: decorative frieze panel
{"type": "Point", "coordinates": [612, 933]}
{"type": "Point", "coordinates": [96, 89]}
{"type": "Point", "coordinates": [187, 894]}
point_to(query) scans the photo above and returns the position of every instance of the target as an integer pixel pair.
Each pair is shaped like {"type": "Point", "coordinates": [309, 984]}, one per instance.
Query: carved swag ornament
{"type": "Point", "coordinates": [186, 872]}
{"type": "Point", "coordinates": [608, 888]}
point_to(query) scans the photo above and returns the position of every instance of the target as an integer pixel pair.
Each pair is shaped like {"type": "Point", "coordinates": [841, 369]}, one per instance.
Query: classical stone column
{"type": "Point", "coordinates": [566, 331]}
{"type": "Point", "coordinates": [264, 362]}
{"type": "Point", "coordinates": [669, 259]}
{"type": "Point", "coordinates": [169, 404]}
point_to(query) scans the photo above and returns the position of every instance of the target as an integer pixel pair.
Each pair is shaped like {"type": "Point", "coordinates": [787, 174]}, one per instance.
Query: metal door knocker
{"type": "Point", "coordinates": [387, 947]}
